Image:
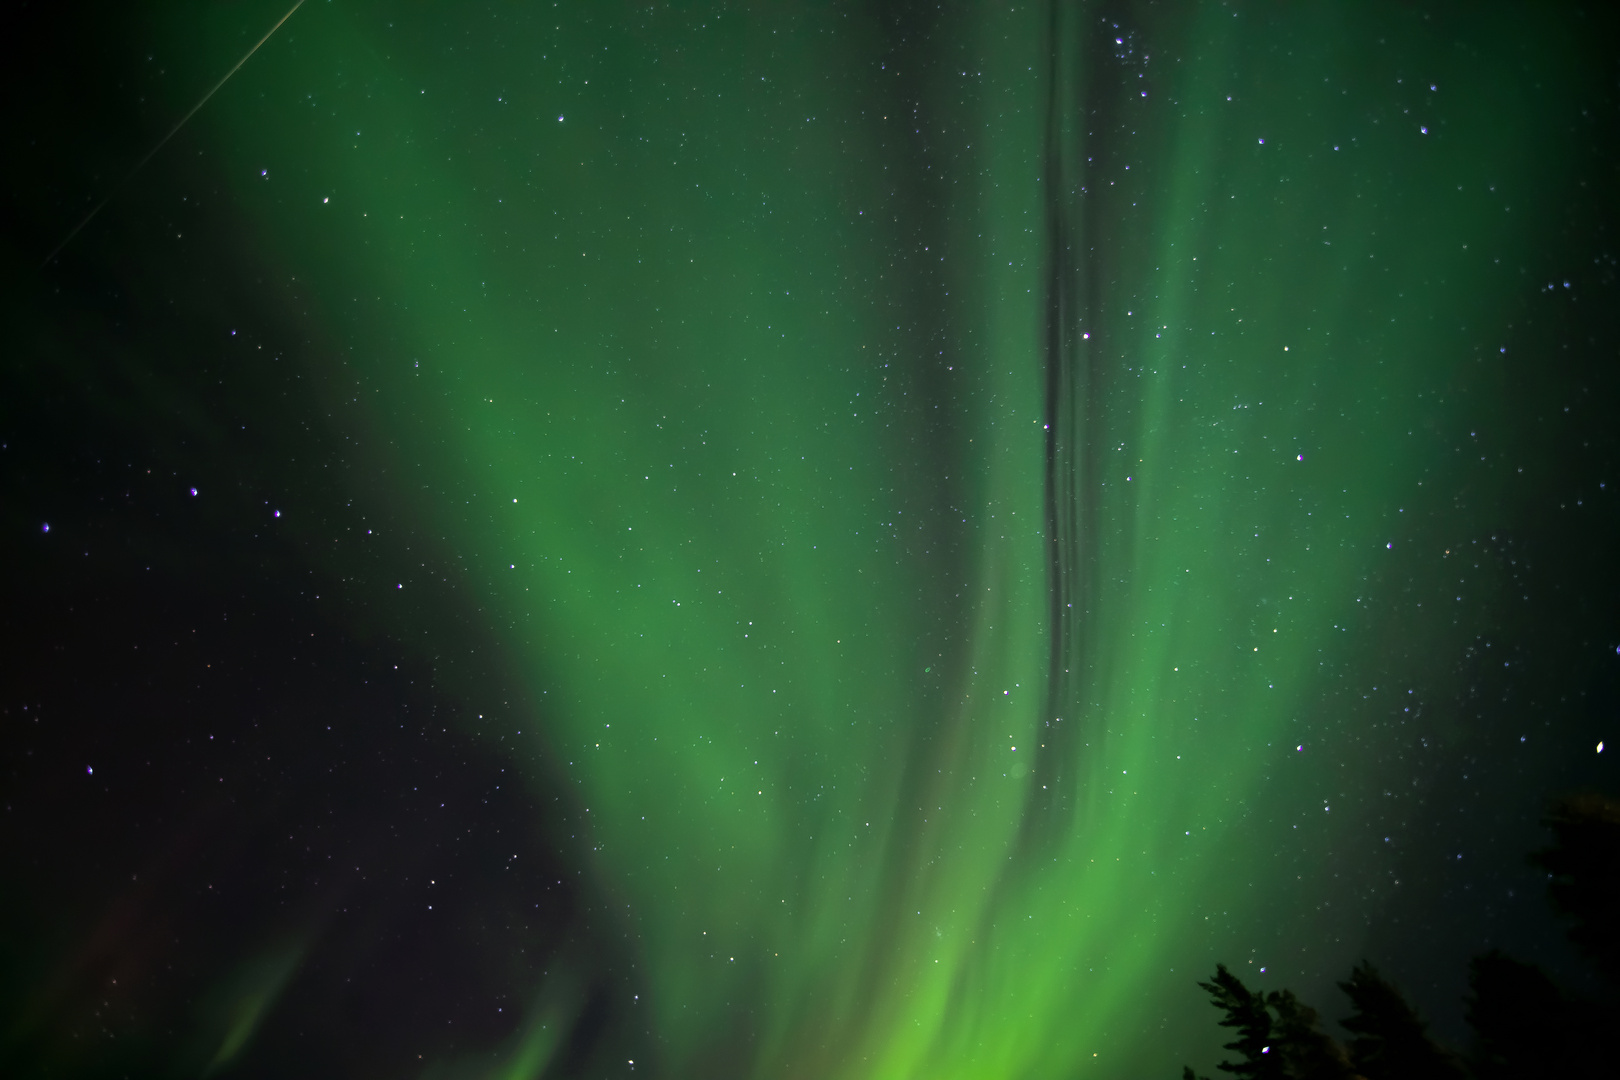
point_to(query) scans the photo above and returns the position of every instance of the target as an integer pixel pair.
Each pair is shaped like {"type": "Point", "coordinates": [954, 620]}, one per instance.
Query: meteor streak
{"type": "Point", "coordinates": [150, 154]}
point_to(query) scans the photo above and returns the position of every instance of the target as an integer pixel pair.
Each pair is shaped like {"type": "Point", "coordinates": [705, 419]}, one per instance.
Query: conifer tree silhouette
{"type": "Point", "coordinates": [1246, 1012]}
{"type": "Point", "coordinates": [1389, 1041]}
{"type": "Point", "coordinates": [1524, 1025]}
{"type": "Point", "coordinates": [1308, 1052]}
{"type": "Point", "coordinates": [1279, 1036]}
{"type": "Point", "coordinates": [1584, 864]}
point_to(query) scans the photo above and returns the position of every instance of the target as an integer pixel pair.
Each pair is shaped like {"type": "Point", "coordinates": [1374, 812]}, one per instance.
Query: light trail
{"type": "Point", "coordinates": [150, 154]}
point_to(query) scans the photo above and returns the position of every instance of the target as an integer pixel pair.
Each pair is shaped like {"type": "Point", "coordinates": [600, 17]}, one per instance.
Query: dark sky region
{"type": "Point", "coordinates": [794, 540]}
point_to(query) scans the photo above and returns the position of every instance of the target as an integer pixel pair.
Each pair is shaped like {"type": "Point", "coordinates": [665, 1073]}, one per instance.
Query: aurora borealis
{"type": "Point", "coordinates": [835, 541]}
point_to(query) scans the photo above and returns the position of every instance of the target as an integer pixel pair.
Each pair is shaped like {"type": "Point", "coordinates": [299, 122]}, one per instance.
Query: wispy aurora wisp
{"type": "Point", "coordinates": [721, 359]}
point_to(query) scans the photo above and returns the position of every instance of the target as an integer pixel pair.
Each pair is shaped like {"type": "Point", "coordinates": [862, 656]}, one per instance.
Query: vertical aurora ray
{"type": "Point", "coordinates": [925, 471]}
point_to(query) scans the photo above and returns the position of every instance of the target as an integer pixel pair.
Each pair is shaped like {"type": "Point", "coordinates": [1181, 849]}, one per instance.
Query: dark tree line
{"type": "Point", "coordinates": [1524, 1025]}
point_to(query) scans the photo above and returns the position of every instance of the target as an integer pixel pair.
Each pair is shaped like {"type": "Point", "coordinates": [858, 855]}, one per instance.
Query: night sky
{"type": "Point", "coordinates": [792, 540]}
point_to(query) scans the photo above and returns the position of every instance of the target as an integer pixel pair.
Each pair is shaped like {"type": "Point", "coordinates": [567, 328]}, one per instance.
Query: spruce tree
{"type": "Point", "coordinates": [1246, 1012]}
{"type": "Point", "coordinates": [1526, 1027]}
{"type": "Point", "coordinates": [1308, 1052]}
{"type": "Point", "coordinates": [1584, 867]}
{"type": "Point", "coordinates": [1389, 1040]}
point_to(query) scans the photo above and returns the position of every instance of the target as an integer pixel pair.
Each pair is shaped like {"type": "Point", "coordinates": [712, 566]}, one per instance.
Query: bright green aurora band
{"type": "Point", "coordinates": [925, 470]}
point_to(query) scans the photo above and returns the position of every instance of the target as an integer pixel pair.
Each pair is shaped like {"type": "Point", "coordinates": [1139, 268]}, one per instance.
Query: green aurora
{"type": "Point", "coordinates": [956, 502]}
